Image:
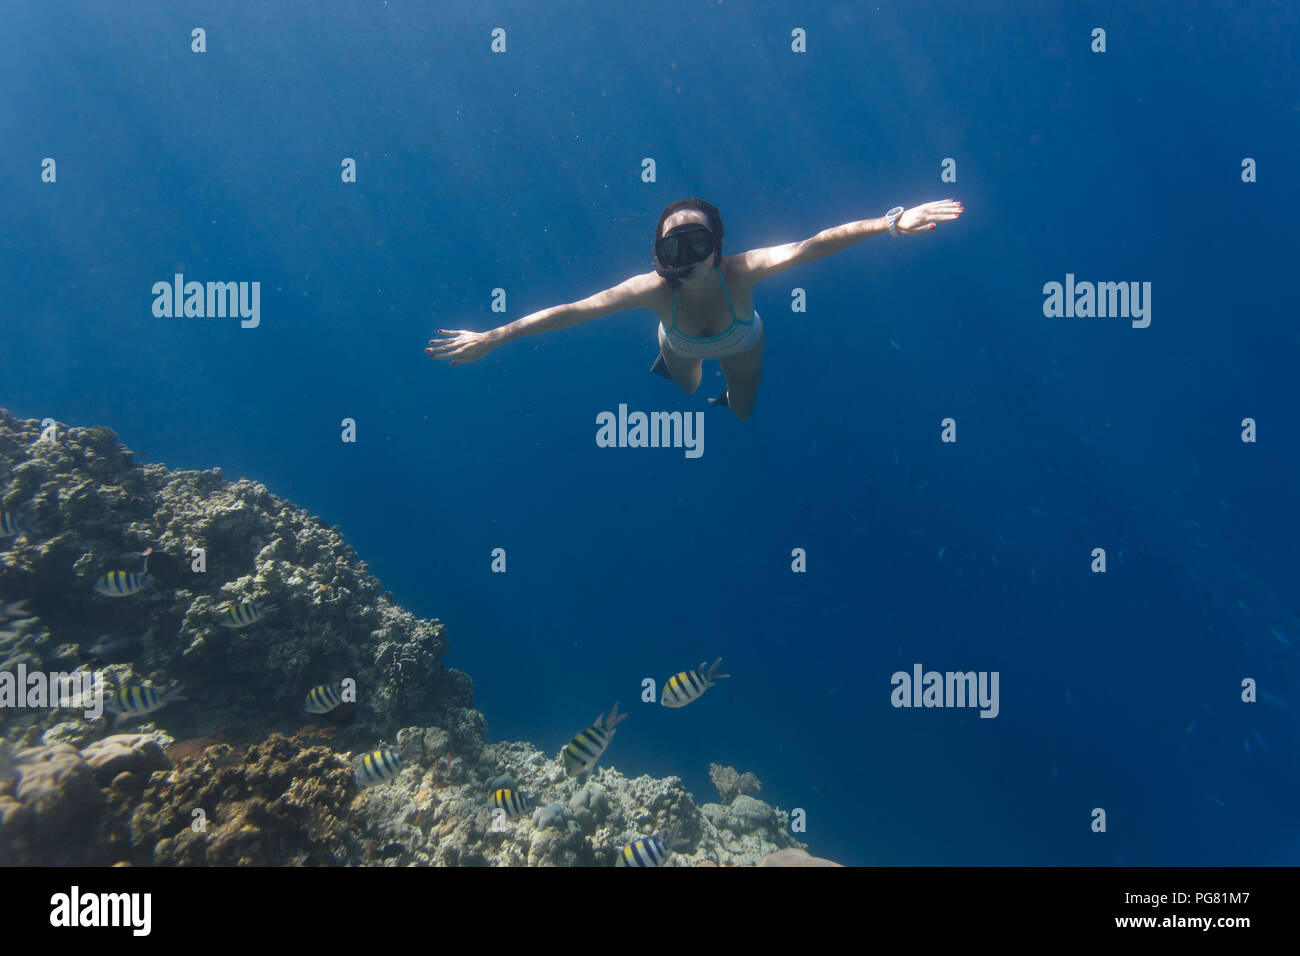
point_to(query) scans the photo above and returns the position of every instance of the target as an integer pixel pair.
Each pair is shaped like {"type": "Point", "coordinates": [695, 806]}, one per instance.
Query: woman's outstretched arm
{"type": "Point", "coordinates": [760, 264]}
{"type": "Point", "coordinates": [462, 345]}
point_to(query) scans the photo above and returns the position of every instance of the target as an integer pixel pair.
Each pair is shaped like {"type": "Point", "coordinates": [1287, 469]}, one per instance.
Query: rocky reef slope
{"type": "Point", "coordinates": [229, 774]}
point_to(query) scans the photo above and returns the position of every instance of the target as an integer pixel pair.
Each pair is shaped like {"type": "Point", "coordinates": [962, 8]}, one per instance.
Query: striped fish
{"type": "Point", "coordinates": [645, 851]}
{"type": "Point", "coordinates": [582, 752]}
{"type": "Point", "coordinates": [378, 766]}
{"type": "Point", "coordinates": [122, 583]}
{"type": "Point", "coordinates": [9, 526]}
{"type": "Point", "coordinates": [322, 699]}
{"type": "Point", "coordinates": [683, 688]}
{"type": "Point", "coordinates": [245, 613]}
{"type": "Point", "coordinates": [513, 802]}
{"type": "Point", "coordinates": [138, 700]}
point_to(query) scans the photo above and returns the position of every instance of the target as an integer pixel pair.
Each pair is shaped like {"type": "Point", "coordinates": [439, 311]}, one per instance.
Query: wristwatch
{"type": "Point", "coordinates": [892, 218]}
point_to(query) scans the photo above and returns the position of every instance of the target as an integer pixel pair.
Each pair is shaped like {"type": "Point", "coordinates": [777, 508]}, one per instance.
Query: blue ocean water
{"type": "Point", "coordinates": [522, 171]}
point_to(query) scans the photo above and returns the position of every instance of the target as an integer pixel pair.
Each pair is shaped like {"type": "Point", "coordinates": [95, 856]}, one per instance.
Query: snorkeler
{"type": "Point", "coordinates": [707, 324]}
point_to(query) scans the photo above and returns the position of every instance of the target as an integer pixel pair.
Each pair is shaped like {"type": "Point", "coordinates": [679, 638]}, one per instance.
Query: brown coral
{"type": "Point", "coordinates": [280, 805]}
{"type": "Point", "coordinates": [731, 784]}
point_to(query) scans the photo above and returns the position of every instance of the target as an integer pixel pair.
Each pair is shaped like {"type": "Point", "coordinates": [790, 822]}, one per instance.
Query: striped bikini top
{"type": "Point", "coordinates": [673, 330]}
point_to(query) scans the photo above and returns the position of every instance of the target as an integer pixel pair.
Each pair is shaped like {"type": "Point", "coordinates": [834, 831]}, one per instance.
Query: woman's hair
{"type": "Point", "coordinates": [710, 213]}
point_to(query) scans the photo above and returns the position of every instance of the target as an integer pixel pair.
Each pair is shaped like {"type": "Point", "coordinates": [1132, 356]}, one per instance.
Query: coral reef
{"type": "Point", "coordinates": [278, 804]}
{"type": "Point", "coordinates": [731, 784]}
{"type": "Point", "coordinates": [578, 821]}
{"type": "Point", "coordinates": [87, 509]}
{"type": "Point", "coordinates": [56, 802]}
{"type": "Point", "coordinates": [74, 792]}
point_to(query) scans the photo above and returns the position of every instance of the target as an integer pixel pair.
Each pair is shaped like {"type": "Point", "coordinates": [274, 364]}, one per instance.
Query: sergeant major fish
{"type": "Point", "coordinates": [582, 752]}
{"type": "Point", "coordinates": [139, 700]}
{"type": "Point", "coordinates": [245, 613]}
{"type": "Point", "coordinates": [647, 851]}
{"type": "Point", "coordinates": [681, 689]}
{"type": "Point", "coordinates": [125, 583]}
{"type": "Point", "coordinates": [513, 802]}
{"type": "Point", "coordinates": [122, 583]}
{"type": "Point", "coordinates": [378, 766]}
{"type": "Point", "coordinates": [322, 699]}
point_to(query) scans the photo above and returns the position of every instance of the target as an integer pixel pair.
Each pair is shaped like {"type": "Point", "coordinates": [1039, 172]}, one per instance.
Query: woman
{"type": "Point", "coordinates": [704, 322]}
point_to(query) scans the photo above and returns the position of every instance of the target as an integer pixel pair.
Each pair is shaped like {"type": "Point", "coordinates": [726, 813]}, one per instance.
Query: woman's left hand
{"type": "Point", "coordinates": [925, 217]}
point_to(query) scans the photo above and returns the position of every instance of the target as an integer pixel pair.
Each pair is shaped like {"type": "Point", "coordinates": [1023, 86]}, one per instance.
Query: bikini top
{"type": "Point", "coordinates": [673, 330]}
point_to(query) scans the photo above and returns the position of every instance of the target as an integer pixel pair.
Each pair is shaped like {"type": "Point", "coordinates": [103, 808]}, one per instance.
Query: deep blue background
{"type": "Point", "coordinates": [522, 171]}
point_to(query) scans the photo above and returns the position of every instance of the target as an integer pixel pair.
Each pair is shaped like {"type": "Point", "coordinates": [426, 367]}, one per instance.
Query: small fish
{"type": "Point", "coordinates": [245, 613]}
{"type": "Point", "coordinates": [1200, 544]}
{"type": "Point", "coordinates": [113, 649]}
{"type": "Point", "coordinates": [682, 688]}
{"type": "Point", "coordinates": [582, 752]}
{"type": "Point", "coordinates": [378, 766]}
{"type": "Point", "coordinates": [1215, 800]}
{"type": "Point", "coordinates": [139, 700]}
{"type": "Point", "coordinates": [1039, 511]}
{"type": "Point", "coordinates": [1069, 699]}
{"type": "Point", "coordinates": [1191, 728]}
{"type": "Point", "coordinates": [122, 583]}
{"type": "Point", "coordinates": [646, 851]}
{"type": "Point", "coordinates": [15, 609]}
{"type": "Point", "coordinates": [513, 802]}
{"type": "Point", "coordinates": [941, 551]}
{"type": "Point", "coordinates": [1280, 636]}
{"type": "Point", "coordinates": [322, 699]}
{"type": "Point", "coordinates": [895, 345]}
{"type": "Point", "coordinates": [9, 526]}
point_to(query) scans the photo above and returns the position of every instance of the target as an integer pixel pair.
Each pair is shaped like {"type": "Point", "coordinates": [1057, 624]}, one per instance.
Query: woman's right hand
{"type": "Point", "coordinates": [461, 345]}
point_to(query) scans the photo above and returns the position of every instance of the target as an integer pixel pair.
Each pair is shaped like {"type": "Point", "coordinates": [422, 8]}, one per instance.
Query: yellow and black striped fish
{"type": "Point", "coordinates": [645, 851]}
{"type": "Point", "coordinates": [138, 700]}
{"type": "Point", "coordinates": [513, 802]}
{"type": "Point", "coordinates": [322, 699]}
{"type": "Point", "coordinates": [378, 766]}
{"type": "Point", "coordinates": [245, 613]}
{"type": "Point", "coordinates": [683, 688]}
{"type": "Point", "coordinates": [582, 752]}
{"type": "Point", "coordinates": [122, 583]}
